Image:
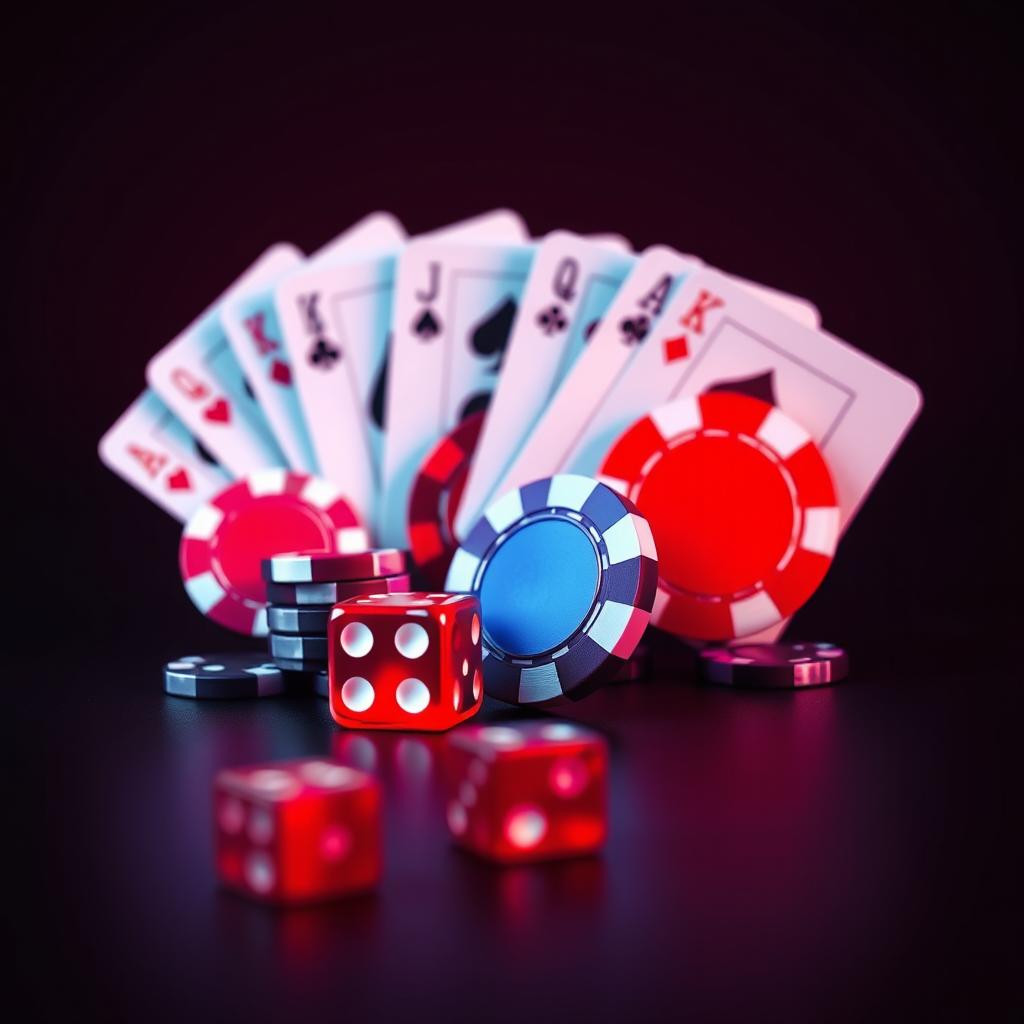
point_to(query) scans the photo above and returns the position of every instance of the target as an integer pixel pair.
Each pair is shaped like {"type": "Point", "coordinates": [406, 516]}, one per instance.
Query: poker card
{"type": "Point", "coordinates": [455, 305]}
{"type": "Point", "coordinates": [150, 449]}
{"type": "Point", "coordinates": [335, 319]}
{"type": "Point", "coordinates": [715, 335]}
{"type": "Point", "coordinates": [199, 378]}
{"type": "Point", "coordinates": [571, 416]}
{"type": "Point", "coordinates": [254, 331]}
{"type": "Point", "coordinates": [571, 284]}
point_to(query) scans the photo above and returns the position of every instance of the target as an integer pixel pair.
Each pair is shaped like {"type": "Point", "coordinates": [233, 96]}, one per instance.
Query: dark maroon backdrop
{"type": "Point", "coordinates": [870, 163]}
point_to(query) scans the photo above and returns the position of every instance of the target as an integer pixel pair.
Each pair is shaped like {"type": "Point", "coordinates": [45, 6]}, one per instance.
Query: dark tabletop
{"type": "Point", "coordinates": [842, 852]}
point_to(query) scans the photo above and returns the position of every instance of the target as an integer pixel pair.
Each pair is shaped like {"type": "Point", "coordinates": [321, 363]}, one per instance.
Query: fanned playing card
{"type": "Point", "coordinates": [571, 284]}
{"type": "Point", "coordinates": [253, 328]}
{"type": "Point", "coordinates": [150, 449]}
{"type": "Point", "coordinates": [455, 305]}
{"type": "Point", "coordinates": [198, 376]}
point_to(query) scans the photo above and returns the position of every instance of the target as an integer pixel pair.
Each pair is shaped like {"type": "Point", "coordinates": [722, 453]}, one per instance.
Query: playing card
{"type": "Point", "coordinates": [798, 309]}
{"type": "Point", "coordinates": [198, 376]}
{"type": "Point", "coordinates": [568, 420]}
{"type": "Point", "coordinates": [335, 320]}
{"type": "Point", "coordinates": [715, 335]}
{"type": "Point", "coordinates": [455, 305]}
{"type": "Point", "coordinates": [571, 284]}
{"type": "Point", "coordinates": [253, 329]}
{"type": "Point", "coordinates": [151, 449]}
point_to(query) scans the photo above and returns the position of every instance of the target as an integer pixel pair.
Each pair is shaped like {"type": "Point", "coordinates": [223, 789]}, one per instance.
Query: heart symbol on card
{"type": "Point", "coordinates": [218, 411]}
{"type": "Point", "coordinates": [179, 481]}
{"type": "Point", "coordinates": [280, 372]}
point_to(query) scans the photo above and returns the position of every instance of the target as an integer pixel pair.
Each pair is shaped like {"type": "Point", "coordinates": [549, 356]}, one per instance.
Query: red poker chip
{"type": "Point", "coordinates": [333, 567]}
{"type": "Point", "coordinates": [434, 500]}
{"type": "Point", "coordinates": [226, 540]}
{"type": "Point", "coordinates": [742, 507]}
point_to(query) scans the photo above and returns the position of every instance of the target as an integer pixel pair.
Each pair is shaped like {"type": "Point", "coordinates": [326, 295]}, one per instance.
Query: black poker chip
{"type": "Point", "coordinates": [775, 666]}
{"type": "Point", "coordinates": [310, 620]}
{"type": "Point", "coordinates": [307, 666]}
{"type": "Point", "coordinates": [306, 594]}
{"type": "Point", "coordinates": [321, 684]}
{"type": "Point", "coordinates": [298, 648]}
{"type": "Point", "coordinates": [223, 677]}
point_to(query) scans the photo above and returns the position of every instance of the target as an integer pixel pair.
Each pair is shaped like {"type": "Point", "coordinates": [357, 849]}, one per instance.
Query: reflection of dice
{"type": "Point", "coordinates": [296, 831]}
{"type": "Point", "coordinates": [405, 661]}
{"type": "Point", "coordinates": [527, 792]}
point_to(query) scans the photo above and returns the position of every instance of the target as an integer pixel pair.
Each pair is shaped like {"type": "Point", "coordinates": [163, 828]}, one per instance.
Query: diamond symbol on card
{"type": "Point", "coordinates": [179, 481]}
{"type": "Point", "coordinates": [280, 372]}
{"type": "Point", "coordinates": [676, 348]}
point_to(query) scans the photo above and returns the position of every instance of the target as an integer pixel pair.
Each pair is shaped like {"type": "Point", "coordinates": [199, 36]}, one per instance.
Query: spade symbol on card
{"type": "Point", "coordinates": [475, 403]}
{"type": "Point", "coordinates": [426, 326]}
{"type": "Point", "coordinates": [760, 386]}
{"type": "Point", "coordinates": [179, 481]}
{"type": "Point", "coordinates": [380, 388]}
{"type": "Point", "coordinates": [218, 411]}
{"type": "Point", "coordinates": [204, 454]}
{"type": "Point", "coordinates": [490, 336]}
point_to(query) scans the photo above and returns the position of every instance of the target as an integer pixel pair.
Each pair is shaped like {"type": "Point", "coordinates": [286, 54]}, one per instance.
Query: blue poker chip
{"type": "Point", "coordinates": [566, 572]}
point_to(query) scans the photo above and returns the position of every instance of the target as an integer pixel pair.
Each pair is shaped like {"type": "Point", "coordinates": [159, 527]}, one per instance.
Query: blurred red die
{"type": "Point", "coordinates": [528, 791]}
{"type": "Point", "coordinates": [405, 661]}
{"type": "Point", "coordinates": [297, 831]}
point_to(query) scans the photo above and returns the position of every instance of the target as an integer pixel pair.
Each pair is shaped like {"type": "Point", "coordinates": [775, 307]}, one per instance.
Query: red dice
{"type": "Point", "coordinates": [405, 661]}
{"type": "Point", "coordinates": [531, 791]}
{"type": "Point", "coordinates": [297, 831]}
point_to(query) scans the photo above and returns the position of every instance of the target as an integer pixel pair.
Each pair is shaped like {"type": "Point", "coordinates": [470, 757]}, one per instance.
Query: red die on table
{"type": "Point", "coordinates": [531, 791]}
{"type": "Point", "coordinates": [405, 661]}
{"type": "Point", "coordinates": [297, 831]}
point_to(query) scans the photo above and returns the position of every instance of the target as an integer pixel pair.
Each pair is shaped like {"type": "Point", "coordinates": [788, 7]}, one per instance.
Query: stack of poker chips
{"type": "Point", "coordinates": [303, 587]}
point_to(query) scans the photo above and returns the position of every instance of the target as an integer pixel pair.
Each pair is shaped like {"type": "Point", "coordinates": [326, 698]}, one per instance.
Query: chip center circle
{"type": "Point", "coordinates": [539, 586]}
{"type": "Point", "coordinates": [721, 511]}
{"type": "Point", "coordinates": [261, 529]}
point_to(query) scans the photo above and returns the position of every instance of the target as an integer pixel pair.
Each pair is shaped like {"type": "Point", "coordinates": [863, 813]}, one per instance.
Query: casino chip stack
{"type": "Point", "coordinates": [302, 587]}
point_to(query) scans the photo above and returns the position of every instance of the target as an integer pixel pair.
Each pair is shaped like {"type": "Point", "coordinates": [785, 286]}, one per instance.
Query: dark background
{"type": "Point", "coordinates": [868, 161]}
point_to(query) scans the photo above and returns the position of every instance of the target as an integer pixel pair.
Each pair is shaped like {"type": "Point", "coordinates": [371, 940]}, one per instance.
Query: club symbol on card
{"type": "Point", "coordinates": [179, 481]}
{"type": "Point", "coordinates": [323, 354]}
{"type": "Point", "coordinates": [634, 329]}
{"type": "Point", "coordinates": [280, 372]}
{"type": "Point", "coordinates": [552, 320]}
{"type": "Point", "coordinates": [426, 326]}
{"type": "Point", "coordinates": [218, 411]}
{"type": "Point", "coordinates": [490, 336]}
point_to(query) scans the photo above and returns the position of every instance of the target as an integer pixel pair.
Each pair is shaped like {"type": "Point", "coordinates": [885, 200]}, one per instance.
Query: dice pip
{"type": "Point", "coordinates": [529, 791]}
{"type": "Point", "coordinates": [296, 831]}
{"type": "Point", "coordinates": [405, 661]}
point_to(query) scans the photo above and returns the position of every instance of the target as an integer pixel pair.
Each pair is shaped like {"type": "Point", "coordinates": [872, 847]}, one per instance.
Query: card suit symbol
{"type": "Point", "coordinates": [217, 411]}
{"type": "Point", "coordinates": [490, 336]}
{"type": "Point", "coordinates": [205, 455]}
{"type": "Point", "coordinates": [427, 326]}
{"type": "Point", "coordinates": [380, 389]}
{"type": "Point", "coordinates": [676, 348]}
{"type": "Point", "coordinates": [761, 386]}
{"type": "Point", "coordinates": [179, 481]}
{"type": "Point", "coordinates": [324, 355]}
{"type": "Point", "coordinates": [281, 372]}
{"type": "Point", "coordinates": [552, 320]}
{"type": "Point", "coordinates": [475, 403]}
{"type": "Point", "coordinates": [634, 329]}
